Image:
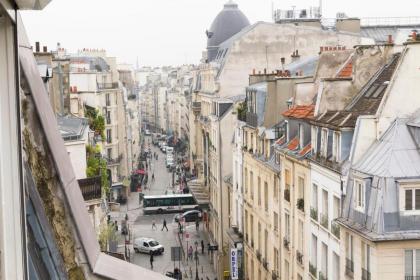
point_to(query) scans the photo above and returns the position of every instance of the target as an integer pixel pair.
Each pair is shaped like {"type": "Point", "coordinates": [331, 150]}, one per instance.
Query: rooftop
{"type": "Point", "coordinates": [300, 112]}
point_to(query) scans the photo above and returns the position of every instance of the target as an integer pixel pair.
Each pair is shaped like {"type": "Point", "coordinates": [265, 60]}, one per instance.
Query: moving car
{"type": "Point", "coordinates": [170, 149]}
{"type": "Point", "coordinates": [147, 245]}
{"type": "Point", "coordinates": [169, 162]}
{"type": "Point", "coordinates": [189, 216]}
{"type": "Point", "coordinates": [147, 132]}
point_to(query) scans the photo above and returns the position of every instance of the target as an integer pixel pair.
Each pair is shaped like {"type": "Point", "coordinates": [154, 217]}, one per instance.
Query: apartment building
{"type": "Point", "coordinates": [380, 237]}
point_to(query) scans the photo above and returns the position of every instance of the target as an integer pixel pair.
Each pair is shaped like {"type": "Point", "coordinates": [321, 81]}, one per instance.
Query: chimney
{"type": "Point", "coordinates": [287, 73]}
{"type": "Point", "coordinates": [390, 39]}
{"type": "Point", "coordinates": [36, 46]}
{"type": "Point", "coordinates": [253, 71]}
{"type": "Point", "coordinates": [414, 36]}
{"type": "Point", "coordinates": [265, 71]}
{"type": "Point", "coordinates": [44, 49]}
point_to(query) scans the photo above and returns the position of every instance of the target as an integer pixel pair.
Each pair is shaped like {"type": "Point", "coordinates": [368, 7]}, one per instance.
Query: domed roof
{"type": "Point", "coordinates": [226, 24]}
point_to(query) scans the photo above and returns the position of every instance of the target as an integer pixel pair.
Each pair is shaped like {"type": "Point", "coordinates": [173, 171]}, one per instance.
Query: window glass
{"type": "Point", "coordinates": [417, 199]}
{"type": "Point", "coordinates": [408, 199]}
{"type": "Point", "coordinates": [409, 263]}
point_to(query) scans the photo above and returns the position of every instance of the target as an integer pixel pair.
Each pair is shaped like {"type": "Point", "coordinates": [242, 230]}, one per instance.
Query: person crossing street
{"type": "Point", "coordinates": [164, 225]}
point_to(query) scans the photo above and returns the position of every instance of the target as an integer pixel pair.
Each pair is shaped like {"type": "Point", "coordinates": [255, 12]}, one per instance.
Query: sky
{"type": "Point", "coordinates": [167, 32]}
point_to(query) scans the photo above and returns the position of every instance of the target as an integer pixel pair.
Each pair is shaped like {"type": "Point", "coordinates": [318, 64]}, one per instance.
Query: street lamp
{"type": "Point", "coordinates": [196, 264]}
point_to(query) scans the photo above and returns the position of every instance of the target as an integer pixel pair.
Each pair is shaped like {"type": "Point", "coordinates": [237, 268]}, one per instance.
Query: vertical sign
{"type": "Point", "coordinates": [234, 263]}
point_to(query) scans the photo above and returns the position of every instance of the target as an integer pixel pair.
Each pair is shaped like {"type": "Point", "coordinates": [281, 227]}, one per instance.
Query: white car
{"type": "Point", "coordinates": [147, 245]}
{"type": "Point", "coordinates": [169, 149]}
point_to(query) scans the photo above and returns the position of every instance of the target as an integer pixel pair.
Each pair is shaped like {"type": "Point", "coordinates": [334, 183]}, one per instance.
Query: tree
{"type": "Point", "coordinates": [241, 111]}
{"type": "Point", "coordinates": [96, 121]}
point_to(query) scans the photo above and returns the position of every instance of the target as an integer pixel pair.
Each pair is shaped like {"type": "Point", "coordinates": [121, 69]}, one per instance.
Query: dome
{"type": "Point", "coordinates": [226, 24]}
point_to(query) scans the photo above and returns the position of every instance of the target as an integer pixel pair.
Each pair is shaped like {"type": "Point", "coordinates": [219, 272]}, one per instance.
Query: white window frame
{"type": "Point", "coordinates": [301, 136]}
{"type": "Point", "coordinates": [403, 189]}
{"type": "Point", "coordinates": [414, 255]}
{"type": "Point", "coordinates": [336, 146]}
{"type": "Point", "coordinates": [359, 195]}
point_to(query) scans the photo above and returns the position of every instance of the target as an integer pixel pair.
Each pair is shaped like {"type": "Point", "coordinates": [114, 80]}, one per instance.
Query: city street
{"type": "Point", "coordinates": [141, 226]}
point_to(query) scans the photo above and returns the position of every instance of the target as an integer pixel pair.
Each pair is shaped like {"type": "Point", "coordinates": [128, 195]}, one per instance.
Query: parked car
{"type": "Point", "coordinates": [147, 132]}
{"type": "Point", "coordinates": [189, 216]}
{"type": "Point", "coordinates": [147, 245]}
{"type": "Point", "coordinates": [169, 149]}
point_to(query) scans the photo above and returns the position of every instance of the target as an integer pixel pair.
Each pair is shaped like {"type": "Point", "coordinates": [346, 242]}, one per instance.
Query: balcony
{"type": "Point", "coordinates": [335, 229]}
{"type": "Point", "coordinates": [258, 255]}
{"type": "Point", "coordinates": [411, 278]}
{"type": "Point", "coordinates": [274, 275]}
{"type": "Point", "coordinates": [287, 194]}
{"type": "Point", "coordinates": [265, 264]}
{"type": "Point", "coordinates": [196, 107]}
{"type": "Point", "coordinates": [91, 188]}
{"type": "Point", "coordinates": [366, 275]}
{"type": "Point", "coordinates": [324, 220]}
{"type": "Point", "coordinates": [107, 85]}
{"type": "Point", "coordinates": [301, 204]}
{"type": "Point", "coordinates": [314, 214]}
{"type": "Point", "coordinates": [286, 243]}
{"type": "Point", "coordinates": [299, 257]}
{"type": "Point", "coordinates": [312, 270]}
{"type": "Point", "coordinates": [322, 276]}
{"type": "Point", "coordinates": [349, 268]}
{"type": "Point", "coordinates": [251, 119]}
{"type": "Point", "coordinates": [117, 160]}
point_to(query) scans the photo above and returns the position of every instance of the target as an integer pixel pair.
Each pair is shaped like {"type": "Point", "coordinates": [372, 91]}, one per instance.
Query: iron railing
{"type": "Point", "coordinates": [287, 194]}
{"type": "Point", "coordinates": [299, 257]}
{"type": "Point", "coordinates": [335, 229]}
{"type": "Point", "coordinates": [286, 243]}
{"type": "Point", "coordinates": [301, 204]}
{"type": "Point", "coordinates": [107, 85]}
{"type": "Point", "coordinates": [365, 274]}
{"type": "Point", "coordinates": [312, 269]}
{"type": "Point", "coordinates": [349, 268]}
{"type": "Point", "coordinates": [314, 213]}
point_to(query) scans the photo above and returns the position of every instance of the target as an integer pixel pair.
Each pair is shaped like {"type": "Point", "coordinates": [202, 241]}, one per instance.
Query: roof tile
{"type": "Point", "coordinates": [300, 112]}
{"type": "Point", "coordinates": [294, 144]}
{"type": "Point", "coordinates": [347, 70]}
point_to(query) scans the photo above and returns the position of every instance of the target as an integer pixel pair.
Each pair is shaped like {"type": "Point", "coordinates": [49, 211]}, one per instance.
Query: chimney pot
{"type": "Point", "coordinates": [390, 40]}
{"type": "Point", "coordinates": [321, 49]}
{"type": "Point", "coordinates": [265, 71]}
{"type": "Point", "coordinates": [297, 53]}
{"type": "Point", "coordinates": [253, 71]}
{"type": "Point", "coordinates": [414, 36]}
{"type": "Point", "coordinates": [36, 46]}
{"type": "Point", "coordinates": [283, 60]}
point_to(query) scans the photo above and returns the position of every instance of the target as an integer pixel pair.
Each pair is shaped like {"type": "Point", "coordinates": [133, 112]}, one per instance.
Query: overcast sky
{"type": "Point", "coordinates": [167, 32]}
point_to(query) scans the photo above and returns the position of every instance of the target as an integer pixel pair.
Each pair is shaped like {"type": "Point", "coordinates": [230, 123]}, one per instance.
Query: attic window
{"type": "Point", "coordinates": [359, 195]}
{"type": "Point", "coordinates": [411, 199]}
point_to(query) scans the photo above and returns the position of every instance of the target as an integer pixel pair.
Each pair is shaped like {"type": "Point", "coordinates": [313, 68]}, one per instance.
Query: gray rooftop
{"type": "Point", "coordinates": [395, 154]}
{"type": "Point", "coordinates": [72, 128]}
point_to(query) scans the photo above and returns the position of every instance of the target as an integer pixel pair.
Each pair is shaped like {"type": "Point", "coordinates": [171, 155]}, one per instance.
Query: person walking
{"type": "Point", "coordinates": [197, 224]}
{"type": "Point", "coordinates": [153, 177]}
{"type": "Point", "coordinates": [196, 257]}
{"type": "Point", "coordinates": [202, 247]}
{"type": "Point", "coordinates": [190, 253]}
{"type": "Point", "coordinates": [151, 259]}
{"type": "Point", "coordinates": [164, 225]}
{"type": "Point", "coordinates": [154, 224]}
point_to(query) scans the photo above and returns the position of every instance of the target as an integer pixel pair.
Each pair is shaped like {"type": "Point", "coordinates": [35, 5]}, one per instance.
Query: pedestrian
{"type": "Point", "coordinates": [208, 248]}
{"type": "Point", "coordinates": [190, 253]}
{"type": "Point", "coordinates": [202, 247]}
{"type": "Point", "coordinates": [153, 177]}
{"type": "Point", "coordinates": [164, 225]}
{"type": "Point", "coordinates": [196, 257]}
{"type": "Point", "coordinates": [154, 224]}
{"type": "Point", "coordinates": [151, 259]}
{"type": "Point", "coordinates": [197, 224]}
{"type": "Point", "coordinates": [116, 225]}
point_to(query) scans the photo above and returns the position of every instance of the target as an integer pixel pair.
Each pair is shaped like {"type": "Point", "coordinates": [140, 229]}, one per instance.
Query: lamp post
{"type": "Point", "coordinates": [196, 264]}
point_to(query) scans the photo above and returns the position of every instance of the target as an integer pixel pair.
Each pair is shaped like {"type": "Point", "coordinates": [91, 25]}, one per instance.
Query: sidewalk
{"type": "Point", "coordinates": [205, 266]}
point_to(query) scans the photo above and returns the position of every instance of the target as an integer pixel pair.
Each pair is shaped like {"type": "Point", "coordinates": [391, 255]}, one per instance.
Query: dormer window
{"type": "Point", "coordinates": [336, 146]}
{"type": "Point", "coordinates": [359, 195]}
{"type": "Point", "coordinates": [410, 199]}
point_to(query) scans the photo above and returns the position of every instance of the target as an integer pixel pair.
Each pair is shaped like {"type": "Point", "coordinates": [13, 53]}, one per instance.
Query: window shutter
{"type": "Point", "coordinates": [408, 263]}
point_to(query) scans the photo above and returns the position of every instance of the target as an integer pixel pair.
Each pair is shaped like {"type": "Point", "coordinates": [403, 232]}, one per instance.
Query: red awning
{"type": "Point", "coordinates": [140, 171]}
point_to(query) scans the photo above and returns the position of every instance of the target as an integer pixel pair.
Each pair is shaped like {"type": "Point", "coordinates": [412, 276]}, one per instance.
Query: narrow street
{"type": "Point", "coordinates": [141, 226]}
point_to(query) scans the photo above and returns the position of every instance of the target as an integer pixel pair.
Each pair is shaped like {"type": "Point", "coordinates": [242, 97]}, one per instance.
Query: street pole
{"type": "Point", "coordinates": [196, 264]}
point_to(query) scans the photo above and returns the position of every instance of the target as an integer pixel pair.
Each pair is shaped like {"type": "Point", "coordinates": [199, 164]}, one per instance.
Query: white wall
{"type": "Point", "coordinates": [83, 81]}
{"type": "Point", "coordinates": [77, 153]}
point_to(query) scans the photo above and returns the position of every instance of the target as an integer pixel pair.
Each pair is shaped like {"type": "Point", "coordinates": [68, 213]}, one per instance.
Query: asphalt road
{"type": "Point", "coordinates": [142, 226]}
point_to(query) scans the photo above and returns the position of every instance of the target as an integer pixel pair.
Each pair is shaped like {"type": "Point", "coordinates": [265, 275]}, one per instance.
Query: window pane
{"type": "Point", "coordinates": [417, 202]}
{"type": "Point", "coordinates": [408, 200]}
{"type": "Point", "coordinates": [409, 263]}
